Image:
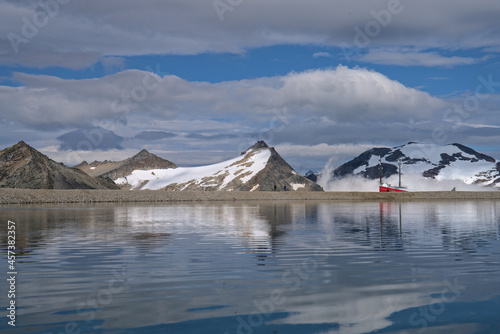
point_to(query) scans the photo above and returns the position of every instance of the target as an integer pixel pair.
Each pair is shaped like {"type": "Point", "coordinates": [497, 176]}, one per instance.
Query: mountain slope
{"type": "Point", "coordinates": [116, 169]}
{"type": "Point", "coordinates": [21, 166]}
{"type": "Point", "coordinates": [259, 168]}
{"type": "Point", "coordinates": [440, 162]}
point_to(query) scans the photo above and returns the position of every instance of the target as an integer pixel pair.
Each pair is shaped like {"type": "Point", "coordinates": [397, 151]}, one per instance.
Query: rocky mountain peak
{"type": "Point", "coordinates": [259, 168]}
{"type": "Point", "coordinates": [21, 144]}
{"type": "Point", "coordinates": [22, 166]}
{"type": "Point", "coordinates": [81, 164]}
{"type": "Point", "coordinates": [312, 175]}
{"type": "Point", "coordinates": [143, 152]}
{"type": "Point", "coordinates": [20, 151]}
{"type": "Point", "coordinates": [143, 160]}
{"type": "Point", "coordinates": [257, 146]}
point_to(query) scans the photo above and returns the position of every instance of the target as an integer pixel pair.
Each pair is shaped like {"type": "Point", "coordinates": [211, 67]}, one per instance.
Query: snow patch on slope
{"type": "Point", "coordinates": [430, 156]}
{"type": "Point", "coordinates": [217, 175]}
{"type": "Point", "coordinates": [296, 186]}
{"type": "Point", "coordinates": [430, 152]}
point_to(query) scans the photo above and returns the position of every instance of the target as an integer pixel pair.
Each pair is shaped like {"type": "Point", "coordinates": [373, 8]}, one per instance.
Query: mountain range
{"type": "Point", "coordinates": [259, 168]}
{"type": "Point", "coordinates": [21, 166]}
{"type": "Point", "coordinates": [431, 161]}
{"type": "Point", "coordinates": [117, 169]}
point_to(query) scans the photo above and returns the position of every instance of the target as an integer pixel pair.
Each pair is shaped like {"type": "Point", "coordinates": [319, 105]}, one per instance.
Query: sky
{"type": "Point", "coordinates": [197, 82]}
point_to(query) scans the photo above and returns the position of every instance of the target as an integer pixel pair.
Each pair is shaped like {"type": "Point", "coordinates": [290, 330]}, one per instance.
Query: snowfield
{"type": "Point", "coordinates": [466, 171]}
{"type": "Point", "coordinates": [296, 186]}
{"type": "Point", "coordinates": [217, 175]}
{"type": "Point", "coordinates": [425, 167]}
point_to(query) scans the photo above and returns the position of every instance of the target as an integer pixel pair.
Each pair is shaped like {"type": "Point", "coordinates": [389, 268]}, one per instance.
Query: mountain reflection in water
{"type": "Point", "coordinates": [257, 267]}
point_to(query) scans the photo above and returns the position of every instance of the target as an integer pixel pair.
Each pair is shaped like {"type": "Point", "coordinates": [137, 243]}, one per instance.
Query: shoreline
{"type": "Point", "coordinates": [50, 196]}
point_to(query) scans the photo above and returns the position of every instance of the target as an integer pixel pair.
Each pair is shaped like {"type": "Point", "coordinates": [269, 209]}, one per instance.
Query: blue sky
{"type": "Point", "coordinates": [319, 80]}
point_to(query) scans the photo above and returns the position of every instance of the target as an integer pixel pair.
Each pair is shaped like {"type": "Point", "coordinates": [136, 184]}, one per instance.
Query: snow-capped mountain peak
{"type": "Point", "coordinates": [258, 168]}
{"type": "Point", "coordinates": [440, 162]}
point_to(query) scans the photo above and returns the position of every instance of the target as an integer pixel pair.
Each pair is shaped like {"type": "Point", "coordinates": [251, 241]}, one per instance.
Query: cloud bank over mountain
{"type": "Point", "coordinates": [203, 80]}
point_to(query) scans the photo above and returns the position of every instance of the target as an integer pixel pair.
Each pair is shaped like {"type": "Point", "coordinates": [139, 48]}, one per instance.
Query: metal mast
{"type": "Point", "coordinates": [380, 168]}
{"type": "Point", "coordinates": [399, 163]}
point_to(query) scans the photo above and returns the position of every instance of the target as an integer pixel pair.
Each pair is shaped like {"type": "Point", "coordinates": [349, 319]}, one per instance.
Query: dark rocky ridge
{"type": "Point", "coordinates": [21, 166]}
{"type": "Point", "coordinates": [312, 175]}
{"type": "Point", "coordinates": [278, 172]}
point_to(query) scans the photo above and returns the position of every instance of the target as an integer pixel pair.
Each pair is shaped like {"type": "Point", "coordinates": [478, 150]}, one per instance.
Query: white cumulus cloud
{"type": "Point", "coordinates": [343, 94]}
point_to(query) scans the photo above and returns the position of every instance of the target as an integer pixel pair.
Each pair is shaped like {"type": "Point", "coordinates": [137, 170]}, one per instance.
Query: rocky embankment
{"type": "Point", "coordinates": [39, 196]}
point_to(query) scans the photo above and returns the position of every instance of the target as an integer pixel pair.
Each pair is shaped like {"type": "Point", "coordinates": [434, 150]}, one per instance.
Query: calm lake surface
{"type": "Point", "coordinates": [251, 267]}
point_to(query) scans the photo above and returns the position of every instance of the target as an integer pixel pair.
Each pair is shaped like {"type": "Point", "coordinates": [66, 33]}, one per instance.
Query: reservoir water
{"type": "Point", "coordinates": [255, 267]}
